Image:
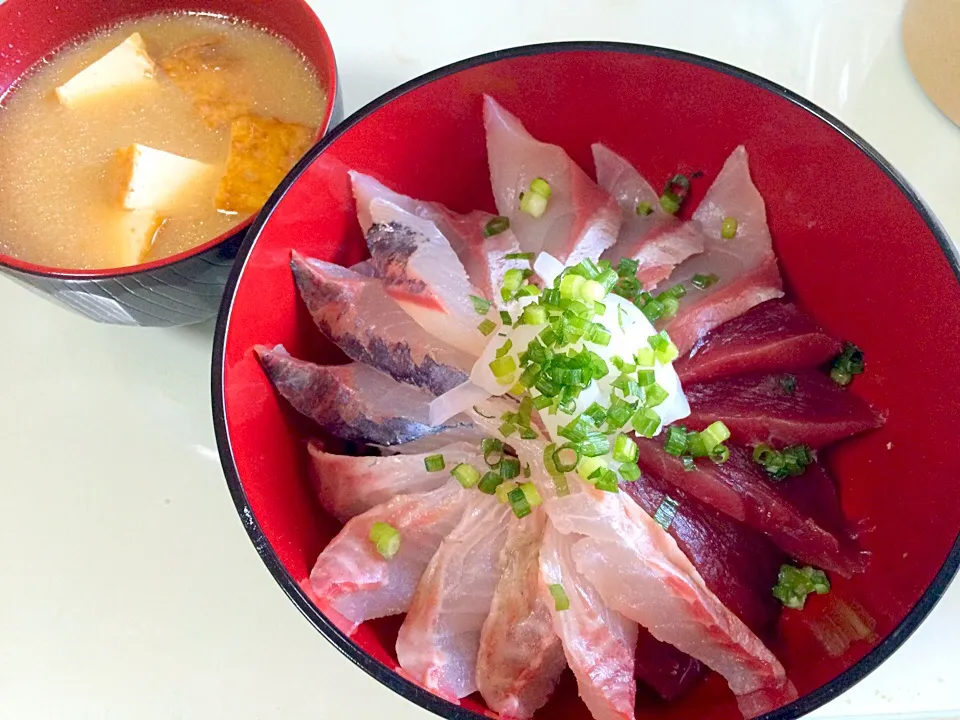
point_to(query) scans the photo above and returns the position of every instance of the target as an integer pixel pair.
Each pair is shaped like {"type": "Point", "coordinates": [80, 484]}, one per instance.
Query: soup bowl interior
{"type": "Point", "coordinates": [857, 250]}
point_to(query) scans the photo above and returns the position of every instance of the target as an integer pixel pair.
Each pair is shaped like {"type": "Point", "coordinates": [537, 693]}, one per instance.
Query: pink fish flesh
{"type": "Point", "coordinates": [580, 221]}
{"type": "Point", "coordinates": [370, 327]}
{"type": "Point", "coordinates": [804, 407]}
{"type": "Point", "coordinates": [348, 485]}
{"type": "Point", "coordinates": [745, 265]}
{"type": "Point", "coordinates": [772, 337]}
{"type": "Point", "coordinates": [520, 657]}
{"type": "Point", "coordinates": [440, 638]}
{"type": "Point", "coordinates": [353, 581]}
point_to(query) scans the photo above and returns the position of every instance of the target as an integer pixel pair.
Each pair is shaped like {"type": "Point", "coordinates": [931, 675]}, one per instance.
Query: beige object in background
{"type": "Point", "coordinates": [931, 42]}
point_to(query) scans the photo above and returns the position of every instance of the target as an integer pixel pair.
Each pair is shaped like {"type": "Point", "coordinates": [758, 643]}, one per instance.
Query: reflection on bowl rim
{"type": "Point", "coordinates": [387, 676]}
{"type": "Point", "coordinates": [332, 90]}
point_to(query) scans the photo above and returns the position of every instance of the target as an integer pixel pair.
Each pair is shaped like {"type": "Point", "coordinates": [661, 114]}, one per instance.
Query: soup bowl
{"type": "Point", "coordinates": [186, 287]}
{"type": "Point", "coordinates": [854, 243]}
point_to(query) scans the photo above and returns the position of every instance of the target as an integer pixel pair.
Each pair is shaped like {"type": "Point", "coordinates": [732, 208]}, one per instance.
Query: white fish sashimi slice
{"type": "Point", "coordinates": [356, 313]}
{"type": "Point", "coordinates": [520, 657]}
{"type": "Point", "coordinates": [599, 643]}
{"type": "Point", "coordinates": [580, 221]}
{"type": "Point", "coordinates": [352, 581]}
{"type": "Point", "coordinates": [348, 485]}
{"type": "Point", "coordinates": [440, 637]}
{"type": "Point", "coordinates": [640, 572]}
{"type": "Point", "coordinates": [745, 264]}
{"type": "Point", "coordinates": [422, 273]}
{"type": "Point", "coordinates": [657, 241]}
{"type": "Point", "coordinates": [484, 258]}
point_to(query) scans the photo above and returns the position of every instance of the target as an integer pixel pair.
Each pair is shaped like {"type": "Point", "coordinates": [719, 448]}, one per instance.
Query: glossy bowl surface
{"type": "Point", "coordinates": [858, 250]}
{"type": "Point", "coordinates": [182, 288]}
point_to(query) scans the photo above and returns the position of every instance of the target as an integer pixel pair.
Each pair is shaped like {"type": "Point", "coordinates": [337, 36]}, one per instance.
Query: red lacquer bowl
{"type": "Point", "coordinates": [187, 287]}
{"type": "Point", "coordinates": [858, 250]}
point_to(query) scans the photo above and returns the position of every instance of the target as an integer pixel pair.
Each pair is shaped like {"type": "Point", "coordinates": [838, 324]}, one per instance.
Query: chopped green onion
{"type": "Point", "coordinates": [795, 584]}
{"type": "Point", "coordinates": [625, 450]}
{"type": "Point", "coordinates": [505, 318]}
{"type": "Point", "coordinates": [509, 467]}
{"type": "Point", "coordinates": [676, 442]}
{"type": "Point", "coordinates": [466, 474]}
{"type": "Point", "coordinates": [533, 204]}
{"type": "Point", "coordinates": [630, 471]}
{"type": "Point", "coordinates": [576, 431]}
{"type": "Point", "coordinates": [849, 363]}
{"type": "Point", "coordinates": [518, 502]}
{"type": "Point", "coordinates": [670, 204]}
{"type": "Point", "coordinates": [496, 226]}
{"type": "Point", "coordinates": [653, 310]}
{"type": "Point", "coordinates": [674, 193]}
{"type": "Point", "coordinates": [645, 357]}
{"type": "Point", "coordinates": [598, 335]}
{"type": "Point", "coordinates": [595, 444]}
{"type": "Point", "coordinates": [434, 463]}
{"type": "Point", "coordinates": [541, 402]}
{"type": "Point", "coordinates": [481, 305]}
{"type": "Point", "coordinates": [589, 465]}
{"type": "Point", "coordinates": [592, 291]}
{"type": "Point", "coordinates": [519, 256]}
{"type": "Point", "coordinates": [596, 413]}
{"type": "Point", "coordinates": [702, 282]}
{"type": "Point", "coordinates": [677, 291]}
{"type": "Point", "coordinates": [646, 378]}
{"type": "Point", "coordinates": [670, 306]}
{"type": "Point", "coordinates": [689, 464]}
{"type": "Point", "coordinates": [627, 267]}
{"type": "Point", "coordinates": [619, 413]}
{"type": "Point", "coordinates": [513, 279]}
{"type": "Point", "coordinates": [666, 512]}
{"type": "Point", "coordinates": [531, 493]}
{"type": "Point", "coordinates": [720, 454]}
{"type": "Point", "coordinates": [566, 457]}
{"type": "Point", "coordinates": [663, 348]}
{"type": "Point", "coordinates": [541, 187]}
{"type": "Point", "coordinates": [560, 600]}
{"type": "Point", "coordinates": [507, 429]}
{"type": "Point", "coordinates": [570, 285]}
{"type": "Point", "coordinates": [644, 208]}
{"type": "Point", "coordinates": [528, 434]}
{"type": "Point", "coordinates": [646, 422]}
{"type": "Point", "coordinates": [503, 366]}
{"type": "Point", "coordinates": [505, 348]}
{"type": "Point", "coordinates": [487, 326]}
{"type": "Point", "coordinates": [490, 482]}
{"type": "Point", "coordinates": [492, 451]}
{"type": "Point", "coordinates": [526, 470]}
{"type": "Point", "coordinates": [790, 462]}
{"type": "Point", "coordinates": [386, 538]}
{"type": "Point", "coordinates": [728, 228]}
{"type": "Point", "coordinates": [534, 315]}
{"type": "Point", "coordinates": [503, 490]}
{"type": "Point", "coordinates": [713, 435]}
{"type": "Point", "coordinates": [655, 395]}
{"type": "Point", "coordinates": [606, 481]}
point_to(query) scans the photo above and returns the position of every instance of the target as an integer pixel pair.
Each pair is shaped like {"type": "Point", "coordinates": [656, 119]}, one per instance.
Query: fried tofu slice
{"type": "Point", "coordinates": [126, 66]}
{"type": "Point", "coordinates": [136, 232]}
{"type": "Point", "coordinates": [152, 179]}
{"type": "Point", "coordinates": [207, 72]}
{"type": "Point", "coordinates": [262, 151]}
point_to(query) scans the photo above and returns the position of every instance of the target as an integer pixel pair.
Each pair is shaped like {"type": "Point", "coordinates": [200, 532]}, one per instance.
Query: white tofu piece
{"type": "Point", "coordinates": [157, 180]}
{"type": "Point", "coordinates": [135, 235]}
{"type": "Point", "coordinates": [127, 65]}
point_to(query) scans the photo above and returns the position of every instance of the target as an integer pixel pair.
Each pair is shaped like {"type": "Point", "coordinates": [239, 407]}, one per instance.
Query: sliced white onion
{"type": "Point", "coordinates": [548, 268]}
{"type": "Point", "coordinates": [455, 401]}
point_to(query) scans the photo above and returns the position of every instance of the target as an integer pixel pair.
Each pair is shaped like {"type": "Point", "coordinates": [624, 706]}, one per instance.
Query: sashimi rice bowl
{"type": "Point", "coordinates": [593, 381]}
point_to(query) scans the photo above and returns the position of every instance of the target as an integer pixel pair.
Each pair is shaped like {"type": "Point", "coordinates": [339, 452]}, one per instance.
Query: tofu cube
{"type": "Point", "coordinates": [157, 180]}
{"type": "Point", "coordinates": [127, 65]}
{"type": "Point", "coordinates": [135, 235]}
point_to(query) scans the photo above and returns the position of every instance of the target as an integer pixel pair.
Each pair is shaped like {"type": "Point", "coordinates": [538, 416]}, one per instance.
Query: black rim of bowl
{"type": "Point", "coordinates": [381, 672]}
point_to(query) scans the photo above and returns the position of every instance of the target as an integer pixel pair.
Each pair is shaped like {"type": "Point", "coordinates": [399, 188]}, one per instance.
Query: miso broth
{"type": "Point", "coordinates": [58, 186]}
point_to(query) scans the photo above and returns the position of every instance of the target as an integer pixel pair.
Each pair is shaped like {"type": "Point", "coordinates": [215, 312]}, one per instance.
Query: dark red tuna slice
{"type": "Point", "coordinates": [773, 337]}
{"type": "Point", "coordinates": [782, 409]}
{"type": "Point", "coordinates": [741, 489]}
{"type": "Point", "coordinates": [669, 672]}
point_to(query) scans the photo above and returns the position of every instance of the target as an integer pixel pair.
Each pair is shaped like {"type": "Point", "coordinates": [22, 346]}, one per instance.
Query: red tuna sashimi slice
{"type": "Point", "coordinates": [741, 489]}
{"type": "Point", "coordinates": [772, 337]}
{"type": "Point", "coordinates": [354, 401]}
{"type": "Point", "coordinates": [521, 657]}
{"type": "Point", "coordinates": [745, 264]}
{"type": "Point", "coordinates": [599, 643]}
{"type": "Point", "coordinates": [439, 640]}
{"type": "Point", "coordinates": [347, 485]}
{"type": "Point", "coordinates": [423, 274]}
{"type": "Point", "coordinates": [356, 313]}
{"type": "Point", "coordinates": [484, 258]}
{"type": "Point", "coordinates": [353, 581]}
{"type": "Point", "coordinates": [640, 571]}
{"type": "Point", "coordinates": [666, 670]}
{"type": "Point", "coordinates": [657, 241]}
{"type": "Point", "coordinates": [804, 407]}
{"type": "Point", "coordinates": [580, 221]}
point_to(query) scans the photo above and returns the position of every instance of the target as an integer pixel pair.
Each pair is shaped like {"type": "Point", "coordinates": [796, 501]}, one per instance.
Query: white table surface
{"type": "Point", "coordinates": [129, 589]}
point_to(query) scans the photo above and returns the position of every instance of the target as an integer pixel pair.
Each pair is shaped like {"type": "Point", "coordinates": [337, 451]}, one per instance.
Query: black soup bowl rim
{"type": "Point", "coordinates": [351, 650]}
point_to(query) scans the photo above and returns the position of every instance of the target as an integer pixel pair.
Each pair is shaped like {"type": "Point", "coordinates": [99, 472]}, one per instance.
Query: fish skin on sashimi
{"type": "Point", "coordinates": [356, 314]}
{"type": "Point", "coordinates": [745, 264]}
{"type": "Point", "coordinates": [741, 489]}
{"type": "Point", "coordinates": [599, 643]}
{"type": "Point", "coordinates": [440, 638]}
{"type": "Point", "coordinates": [484, 258]}
{"type": "Point", "coordinates": [423, 274]}
{"type": "Point", "coordinates": [658, 241]}
{"type": "Point", "coordinates": [581, 220]}
{"type": "Point", "coordinates": [772, 337]}
{"type": "Point", "coordinates": [353, 401]}
{"type": "Point", "coordinates": [802, 407]}
{"type": "Point", "coordinates": [639, 570]}
{"type": "Point", "coordinates": [521, 657]}
{"type": "Point", "coordinates": [348, 485]}
{"type": "Point", "coordinates": [353, 581]}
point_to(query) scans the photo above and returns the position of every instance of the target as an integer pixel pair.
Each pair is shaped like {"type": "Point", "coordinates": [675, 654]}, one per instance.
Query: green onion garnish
{"type": "Point", "coordinates": [713, 435]}
{"type": "Point", "coordinates": [795, 584]}
{"type": "Point", "coordinates": [689, 464]}
{"type": "Point", "coordinates": [534, 315]}
{"type": "Point", "coordinates": [505, 348]}
{"type": "Point", "coordinates": [666, 512]}
{"type": "Point", "coordinates": [720, 454]}
{"type": "Point", "coordinates": [663, 348]}
{"type": "Point", "coordinates": [849, 363]}
{"type": "Point", "coordinates": [646, 378]}
{"type": "Point", "coordinates": [653, 310]}
{"type": "Point", "coordinates": [509, 467]}
{"type": "Point", "coordinates": [560, 600]}
{"type": "Point", "coordinates": [519, 503]}
{"type": "Point", "coordinates": [526, 470]}
{"type": "Point", "coordinates": [596, 414]}
{"type": "Point", "coordinates": [589, 465]}
{"type": "Point", "coordinates": [644, 208]}
{"type": "Point", "coordinates": [496, 226]}
{"type": "Point", "coordinates": [466, 474]}
{"type": "Point", "coordinates": [487, 326]}
{"type": "Point", "coordinates": [674, 193]}
{"type": "Point", "coordinates": [386, 538]}
{"type": "Point", "coordinates": [619, 413]}
{"type": "Point", "coordinates": [625, 450]}
{"type": "Point", "coordinates": [541, 187]}
{"type": "Point", "coordinates": [505, 318]}
{"type": "Point", "coordinates": [490, 482]}
{"type": "Point", "coordinates": [503, 367]}
{"type": "Point", "coordinates": [481, 305]}
{"type": "Point", "coordinates": [790, 462]}
{"type": "Point", "coordinates": [606, 480]}
{"type": "Point", "coordinates": [645, 357]}
{"type": "Point", "coordinates": [728, 228]}
{"type": "Point", "coordinates": [533, 204]}
{"type": "Point", "coordinates": [670, 306]}
{"type": "Point", "coordinates": [434, 463]}
{"type": "Point", "coordinates": [676, 442]}
{"type": "Point", "coordinates": [519, 256]}
{"type": "Point", "coordinates": [630, 471]}
{"type": "Point", "coordinates": [566, 457]}
{"type": "Point", "coordinates": [595, 444]}
{"type": "Point", "coordinates": [655, 395]}
{"type": "Point", "coordinates": [702, 282]}
{"type": "Point", "coordinates": [646, 422]}
{"type": "Point", "coordinates": [503, 490]}
{"type": "Point", "coordinates": [492, 451]}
